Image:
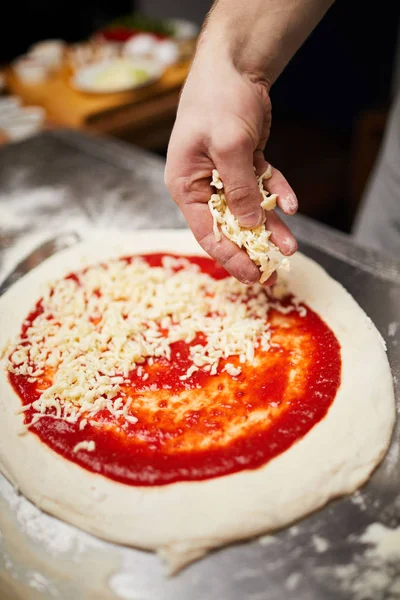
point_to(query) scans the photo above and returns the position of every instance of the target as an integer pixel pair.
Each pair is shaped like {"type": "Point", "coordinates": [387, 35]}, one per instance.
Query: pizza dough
{"type": "Point", "coordinates": [183, 520]}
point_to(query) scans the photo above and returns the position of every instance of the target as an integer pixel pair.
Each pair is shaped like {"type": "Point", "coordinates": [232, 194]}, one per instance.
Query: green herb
{"type": "Point", "coordinates": [141, 22]}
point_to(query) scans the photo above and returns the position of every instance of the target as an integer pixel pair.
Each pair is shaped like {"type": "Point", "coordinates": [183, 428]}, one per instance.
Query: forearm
{"type": "Point", "coordinates": [260, 36]}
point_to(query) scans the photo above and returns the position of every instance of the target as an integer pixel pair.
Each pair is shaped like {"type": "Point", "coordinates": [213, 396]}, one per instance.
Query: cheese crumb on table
{"type": "Point", "coordinates": [256, 242]}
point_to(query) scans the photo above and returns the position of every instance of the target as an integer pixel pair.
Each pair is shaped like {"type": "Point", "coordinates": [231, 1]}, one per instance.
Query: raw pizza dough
{"type": "Point", "coordinates": [183, 520]}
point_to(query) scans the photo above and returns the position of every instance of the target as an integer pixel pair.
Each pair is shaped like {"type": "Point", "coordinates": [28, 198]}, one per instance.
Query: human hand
{"type": "Point", "coordinates": [223, 122]}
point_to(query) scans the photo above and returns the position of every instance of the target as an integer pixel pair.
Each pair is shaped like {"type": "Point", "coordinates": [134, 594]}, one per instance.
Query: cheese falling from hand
{"type": "Point", "coordinates": [256, 242]}
{"type": "Point", "coordinates": [95, 328]}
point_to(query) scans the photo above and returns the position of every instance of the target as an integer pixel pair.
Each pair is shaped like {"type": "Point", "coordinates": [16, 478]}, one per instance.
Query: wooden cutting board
{"type": "Point", "coordinates": [71, 108]}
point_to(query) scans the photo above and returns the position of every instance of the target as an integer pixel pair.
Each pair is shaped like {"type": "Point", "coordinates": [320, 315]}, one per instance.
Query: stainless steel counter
{"type": "Point", "coordinates": [64, 181]}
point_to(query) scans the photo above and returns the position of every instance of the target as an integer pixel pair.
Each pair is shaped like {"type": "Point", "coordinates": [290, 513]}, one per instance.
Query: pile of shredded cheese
{"type": "Point", "coordinates": [256, 242]}
{"type": "Point", "coordinates": [97, 327]}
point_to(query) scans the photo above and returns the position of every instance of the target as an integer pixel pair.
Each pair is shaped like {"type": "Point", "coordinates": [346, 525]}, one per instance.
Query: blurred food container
{"type": "Point", "coordinates": [141, 44]}
{"type": "Point", "coordinates": [9, 103]}
{"type": "Point", "coordinates": [117, 75]}
{"type": "Point", "coordinates": [183, 30]}
{"type": "Point", "coordinates": [30, 70]}
{"type": "Point", "coordinates": [23, 122]}
{"type": "Point", "coordinates": [167, 52]}
{"type": "Point", "coordinates": [87, 53]}
{"type": "Point", "coordinates": [49, 52]}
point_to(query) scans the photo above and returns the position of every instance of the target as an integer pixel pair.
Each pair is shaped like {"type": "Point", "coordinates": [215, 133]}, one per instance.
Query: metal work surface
{"type": "Point", "coordinates": [349, 550]}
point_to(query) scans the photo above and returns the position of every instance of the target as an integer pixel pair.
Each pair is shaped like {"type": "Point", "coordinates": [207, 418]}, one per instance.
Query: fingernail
{"type": "Point", "coordinates": [251, 219]}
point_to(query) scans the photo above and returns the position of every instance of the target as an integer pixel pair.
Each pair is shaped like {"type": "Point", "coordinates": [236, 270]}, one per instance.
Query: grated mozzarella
{"type": "Point", "coordinates": [90, 446]}
{"type": "Point", "coordinates": [112, 319]}
{"type": "Point", "coordinates": [256, 242]}
{"type": "Point", "coordinates": [232, 370]}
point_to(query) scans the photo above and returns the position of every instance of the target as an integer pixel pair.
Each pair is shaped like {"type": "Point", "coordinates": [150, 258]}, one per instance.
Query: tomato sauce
{"type": "Point", "coordinates": [207, 426]}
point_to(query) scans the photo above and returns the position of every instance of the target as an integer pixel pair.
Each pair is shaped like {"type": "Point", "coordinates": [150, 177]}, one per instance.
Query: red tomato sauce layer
{"type": "Point", "coordinates": [208, 426]}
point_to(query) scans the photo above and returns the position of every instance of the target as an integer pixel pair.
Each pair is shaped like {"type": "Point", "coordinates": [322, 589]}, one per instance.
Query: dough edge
{"type": "Point", "coordinates": [182, 521]}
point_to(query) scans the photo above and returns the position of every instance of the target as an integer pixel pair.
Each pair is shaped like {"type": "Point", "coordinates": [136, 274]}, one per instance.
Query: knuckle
{"type": "Point", "coordinates": [238, 142]}
{"type": "Point", "coordinates": [207, 243]}
{"type": "Point", "coordinates": [240, 196]}
{"type": "Point", "coordinates": [178, 187]}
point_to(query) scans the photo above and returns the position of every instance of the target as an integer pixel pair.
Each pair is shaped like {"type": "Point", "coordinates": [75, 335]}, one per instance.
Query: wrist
{"type": "Point", "coordinates": [216, 50]}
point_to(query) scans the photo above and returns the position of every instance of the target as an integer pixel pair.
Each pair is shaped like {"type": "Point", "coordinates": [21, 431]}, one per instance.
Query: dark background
{"type": "Point", "coordinates": [329, 106]}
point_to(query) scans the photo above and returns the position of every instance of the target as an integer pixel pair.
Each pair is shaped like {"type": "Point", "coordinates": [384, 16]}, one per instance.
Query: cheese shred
{"type": "Point", "coordinates": [256, 242]}
{"type": "Point", "coordinates": [91, 330]}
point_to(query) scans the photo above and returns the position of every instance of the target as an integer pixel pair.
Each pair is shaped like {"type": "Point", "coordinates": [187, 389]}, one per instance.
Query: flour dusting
{"type": "Point", "coordinates": [392, 457]}
{"type": "Point", "coordinates": [320, 544]}
{"type": "Point", "coordinates": [385, 542]}
{"type": "Point", "coordinates": [293, 581]}
{"type": "Point", "coordinates": [42, 584]}
{"type": "Point", "coordinates": [266, 540]}
{"type": "Point", "coordinates": [56, 538]}
{"type": "Point", "coordinates": [359, 500]}
{"type": "Point", "coordinates": [374, 573]}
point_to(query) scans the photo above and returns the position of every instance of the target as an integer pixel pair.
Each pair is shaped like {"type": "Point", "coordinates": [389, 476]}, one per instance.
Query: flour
{"type": "Point", "coordinates": [28, 217]}
{"type": "Point", "coordinates": [293, 581]}
{"type": "Point", "coordinates": [55, 537]}
{"type": "Point", "coordinates": [375, 570]}
{"type": "Point", "coordinates": [266, 540]}
{"type": "Point", "coordinates": [21, 224]}
{"type": "Point", "coordinates": [320, 544]}
{"type": "Point", "coordinates": [125, 586]}
{"type": "Point", "coordinates": [359, 500]}
{"type": "Point", "coordinates": [392, 458]}
{"type": "Point", "coordinates": [392, 328]}
{"type": "Point", "coordinates": [385, 542]}
{"type": "Point", "coordinates": [42, 584]}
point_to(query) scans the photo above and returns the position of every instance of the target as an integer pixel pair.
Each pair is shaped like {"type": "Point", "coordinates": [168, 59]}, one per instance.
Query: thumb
{"type": "Point", "coordinates": [241, 188]}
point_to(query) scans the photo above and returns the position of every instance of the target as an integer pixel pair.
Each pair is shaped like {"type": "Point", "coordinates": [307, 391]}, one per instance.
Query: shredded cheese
{"type": "Point", "coordinates": [232, 370]}
{"type": "Point", "coordinates": [89, 446]}
{"type": "Point", "coordinates": [95, 328]}
{"type": "Point", "coordinates": [256, 242]}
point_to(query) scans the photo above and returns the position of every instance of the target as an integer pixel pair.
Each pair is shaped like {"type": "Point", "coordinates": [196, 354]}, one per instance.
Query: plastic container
{"type": "Point", "coordinates": [23, 123]}
{"type": "Point", "coordinates": [49, 52]}
{"type": "Point", "coordinates": [30, 70]}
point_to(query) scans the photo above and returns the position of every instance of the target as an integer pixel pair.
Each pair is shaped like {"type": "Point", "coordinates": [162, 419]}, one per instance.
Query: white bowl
{"type": "Point", "coordinates": [167, 52]}
{"type": "Point", "coordinates": [142, 44]}
{"type": "Point", "coordinates": [9, 103]}
{"type": "Point", "coordinates": [49, 52]}
{"type": "Point", "coordinates": [116, 75]}
{"type": "Point", "coordinates": [20, 130]}
{"type": "Point", "coordinates": [23, 122]}
{"type": "Point", "coordinates": [33, 114]}
{"type": "Point", "coordinates": [30, 70]}
{"type": "Point", "coordinates": [184, 30]}
{"type": "Point", "coordinates": [9, 108]}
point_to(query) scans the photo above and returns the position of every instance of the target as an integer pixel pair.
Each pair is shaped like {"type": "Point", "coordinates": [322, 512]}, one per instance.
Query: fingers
{"type": "Point", "coordinates": [235, 167]}
{"type": "Point", "coordinates": [189, 184]}
{"type": "Point", "coordinates": [271, 280]}
{"type": "Point", "coordinates": [277, 184]}
{"type": "Point", "coordinates": [228, 254]}
{"type": "Point", "coordinates": [281, 235]}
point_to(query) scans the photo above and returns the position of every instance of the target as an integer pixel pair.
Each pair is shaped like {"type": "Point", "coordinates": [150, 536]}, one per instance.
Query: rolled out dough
{"type": "Point", "coordinates": [182, 521]}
